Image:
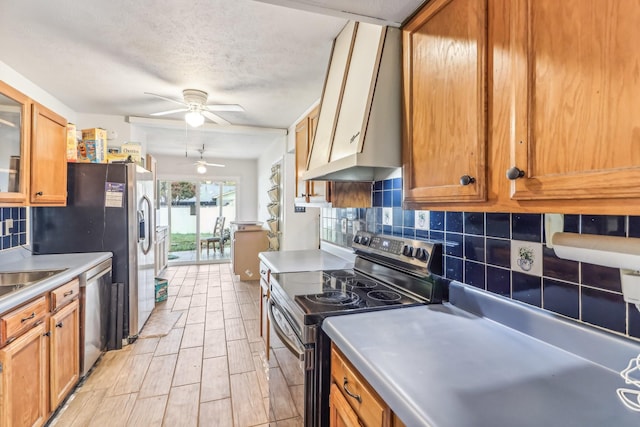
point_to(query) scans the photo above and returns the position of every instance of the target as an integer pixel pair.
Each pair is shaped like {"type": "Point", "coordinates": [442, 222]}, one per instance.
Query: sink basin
{"type": "Point", "coordinates": [24, 278]}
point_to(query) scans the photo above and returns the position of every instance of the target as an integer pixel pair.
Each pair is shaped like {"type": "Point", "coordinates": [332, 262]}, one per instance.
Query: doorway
{"type": "Point", "coordinates": [192, 209]}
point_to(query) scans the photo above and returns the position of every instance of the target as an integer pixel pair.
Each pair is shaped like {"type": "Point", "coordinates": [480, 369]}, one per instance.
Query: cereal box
{"type": "Point", "coordinates": [72, 143]}
{"type": "Point", "coordinates": [95, 145]}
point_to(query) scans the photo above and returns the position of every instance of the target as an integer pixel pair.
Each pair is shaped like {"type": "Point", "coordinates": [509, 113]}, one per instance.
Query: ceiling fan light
{"type": "Point", "coordinates": [194, 118]}
{"type": "Point", "coordinates": [201, 169]}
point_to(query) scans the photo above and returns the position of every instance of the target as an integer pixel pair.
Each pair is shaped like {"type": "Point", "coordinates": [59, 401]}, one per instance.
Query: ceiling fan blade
{"type": "Point", "coordinates": [224, 107]}
{"type": "Point", "coordinates": [162, 113]}
{"type": "Point", "coordinates": [215, 118]}
{"type": "Point", "coordinates": [217, 165]}
{"type": "Point", "coordinates": [177, 101]}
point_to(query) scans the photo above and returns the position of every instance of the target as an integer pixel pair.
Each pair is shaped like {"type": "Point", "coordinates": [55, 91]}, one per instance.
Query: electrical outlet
{"type": "Point", "coordinates": [8, 226]}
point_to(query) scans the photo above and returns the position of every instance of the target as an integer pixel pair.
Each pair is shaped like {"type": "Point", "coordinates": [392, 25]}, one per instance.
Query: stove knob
{"type": "Point", "coordinates": [356, 238]}
{"type": "Point", "coordinates": [407, 250]}
{"type": "Point", "coordinates": [420, 254]}
{"type": "Point", "coordinates": [364, 240]}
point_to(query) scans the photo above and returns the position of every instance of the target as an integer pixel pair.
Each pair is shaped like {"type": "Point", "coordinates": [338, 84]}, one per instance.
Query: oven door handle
{"type": "Point", "coordinates": [290, 342]}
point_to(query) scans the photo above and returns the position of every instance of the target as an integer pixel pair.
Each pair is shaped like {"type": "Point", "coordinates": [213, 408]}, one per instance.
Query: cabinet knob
{"type": "Point", "coordinates": [466, 180]}
{"type": "Point", "coordinates": [39, 193]}
{"type": "Point", "coordinates": [59, 325]}
{"type": "Point", "coordinates": [515, 173]}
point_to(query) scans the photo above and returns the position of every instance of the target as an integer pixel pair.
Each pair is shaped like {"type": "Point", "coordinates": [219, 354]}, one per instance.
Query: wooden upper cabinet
{"type": "Point", "coordinates": [302, 152]}
{"type": "Point", "coordinates": [48, 158]}
{"type": "Point", "coordinates": [445, 103]}
{"type": "Point", "coordinates": [15, 131]}
{"type": "Point", "coordinates": [577, 127]}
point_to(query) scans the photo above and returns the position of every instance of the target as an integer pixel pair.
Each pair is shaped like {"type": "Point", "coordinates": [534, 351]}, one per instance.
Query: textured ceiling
{"type": "Point", "coordinates": [99, 57]}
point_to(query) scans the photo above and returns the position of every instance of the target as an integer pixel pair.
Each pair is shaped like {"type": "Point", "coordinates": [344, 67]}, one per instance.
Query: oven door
{"type": "Point", "coordinates": [285, 332]}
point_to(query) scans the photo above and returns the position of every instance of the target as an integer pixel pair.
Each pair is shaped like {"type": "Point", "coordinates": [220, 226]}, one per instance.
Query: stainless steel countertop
{"type": "Point", "coordinates": [21, 259]}
{"type": "Point", "coordinates": [483, 360]}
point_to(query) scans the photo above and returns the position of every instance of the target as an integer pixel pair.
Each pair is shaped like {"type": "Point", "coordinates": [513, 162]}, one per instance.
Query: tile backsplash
{"type": "Point", "coordinates": [17, 234]}
{"type": "Point", "coordinates": [504, 253]}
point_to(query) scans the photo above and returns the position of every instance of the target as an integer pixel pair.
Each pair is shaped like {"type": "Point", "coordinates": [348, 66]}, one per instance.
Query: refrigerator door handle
{"type": "Point", "coordinates": [145, 226]}
{"type": "Point", "coordinates": [141, 226]}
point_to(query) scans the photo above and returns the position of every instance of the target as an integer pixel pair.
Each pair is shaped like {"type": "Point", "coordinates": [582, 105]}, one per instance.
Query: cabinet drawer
{"type": "Point", "coordinates": [370, 408]}
{"type": "Point", "coordinates": [65, 293]}
{"type": "Point", "coordinates": [15, 322]}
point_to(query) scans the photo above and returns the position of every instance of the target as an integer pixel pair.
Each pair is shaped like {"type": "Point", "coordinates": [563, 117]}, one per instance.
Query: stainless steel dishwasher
{"type": "Point", "coordinates": [95, 285]}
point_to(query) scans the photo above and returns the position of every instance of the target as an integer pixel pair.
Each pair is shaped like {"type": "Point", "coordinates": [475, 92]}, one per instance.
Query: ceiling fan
{"type": "Point", "coordinates": [201, 165]}
{"type": "Point", "coordinates": [194, 103]}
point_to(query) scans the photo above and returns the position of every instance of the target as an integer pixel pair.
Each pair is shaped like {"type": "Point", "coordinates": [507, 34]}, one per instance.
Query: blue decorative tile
{"type": "Point", "coordinates": [15, 213]}
{"type": "Point", "coordinates": [397, 231]}
{"type": "Point", "coordinates": [453, 244]}
{"type": "Point", "coordinates": [526, 227]}
{"type": "Point", "coordinates": [558, 268]}
{"type": "Point", "coordinates": [499, 281]}
{"type": "Point", "coordinates": [6, 242]}
{"type": "Point", "coordinates": [634, 321]}
{"type": "Point", "coordinates": [453, 268]}
{"type": "Point", "coordinates": [561, 297]}
{"type": "Point", "coordinates": [377, 185]}
{"type": "Point", "coordinates": [409, 233]}
{"type": "Point", "coordinates": [498, 225]}
{"type": "Point", "coordinates": [498, 252]}
{"type": "Point", "coordinates": [436, 220]}
{"type": "Point", "coordinates": [422, 234]}
{"type": "Point", "coordinates": [606, 225]}
{"type": "Point", "coordinates": [409, 218]}
{"type": "Point", "coordinates": [604, 309]}
{"type": "Point", "coordinates": [387, 229]}
{"type": "Point", "coordinates": [474, 274]}
{"type": "Point", "coordinates": [377, 199]}
{"type": "Point", "coordinates": [453, 222]}
{"type": "Point", "coordinates": [434, 235]}
{"type": "Point", "coordinates": [634, 226]}
{"type": "Point", "coordinates": [526, 288]}
{"type": "Point", "coordinates": [23, 239]}
{"type": "Point", "coordinates": [474, 223]}
{"type": "Point", "coordinates": [387, 184]}
{"type": "Point", "coordinates": [397, 183]}
{"type": "Point", "coordinates": [474, 248]}
{"type": "Point", "coordinates": [396, 197]}
{"type": "Point", "coordinates": [601, 277]}
{"type": "Point", "coordinates": [571, 223]}
{"type": "Point", "coordinates": [387, 200]}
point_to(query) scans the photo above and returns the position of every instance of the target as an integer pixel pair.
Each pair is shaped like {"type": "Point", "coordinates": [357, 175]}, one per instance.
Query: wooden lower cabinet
{"type": "Point", "coordinates": [23, 397]}
{"type": "Point", "coordinates": [352, 401]}
{"type": "Point", "coordinates": [64, 352]}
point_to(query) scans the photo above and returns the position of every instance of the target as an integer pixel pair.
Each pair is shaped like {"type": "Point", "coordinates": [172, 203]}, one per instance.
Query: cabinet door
{"type": "Point", "coordinates": [576, 101]}
{"type": "Point", "coordinates": [48, 158]}
{"type": "Point", "coordinates": [340, 413]}
{"type": "Point", "coordinates": [23, 396]}
{"type": "Point", "coordinates": [445, 103]}
{"type": "Point", "coordinates": [331, 96]}
{"type": "Point", "coordinates": [15, 118]}
{"type": "Point", "coordinates": [65, 352]}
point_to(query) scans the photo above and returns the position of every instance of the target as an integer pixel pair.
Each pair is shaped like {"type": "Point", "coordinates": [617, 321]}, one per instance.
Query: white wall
{"type": "Point", "coordinates": [19, 82]}
{"type": "Point", "coordinates": [243, 172]}
{"type": "Point", "coordinates": [119, 131]}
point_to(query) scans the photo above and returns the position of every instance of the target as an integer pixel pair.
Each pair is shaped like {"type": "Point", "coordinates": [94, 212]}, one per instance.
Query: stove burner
{"type": "Point", "coordinates": [363, 283]}
{"type": "Point", "coordinates": [334, 298]}
{"type": "Point", "coordinates": [388, 296]}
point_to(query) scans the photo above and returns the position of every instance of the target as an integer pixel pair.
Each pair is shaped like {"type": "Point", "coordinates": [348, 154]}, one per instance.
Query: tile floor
{"type": "Point", "coordinates": [199, 361]}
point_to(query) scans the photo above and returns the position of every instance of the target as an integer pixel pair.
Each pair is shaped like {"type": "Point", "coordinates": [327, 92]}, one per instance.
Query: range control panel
{"type": "Point", "coordinates": [414, 252]}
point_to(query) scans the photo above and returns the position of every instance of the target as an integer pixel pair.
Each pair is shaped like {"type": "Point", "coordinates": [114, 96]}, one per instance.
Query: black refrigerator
{"type": "Point", "coordinates": [110, 208]}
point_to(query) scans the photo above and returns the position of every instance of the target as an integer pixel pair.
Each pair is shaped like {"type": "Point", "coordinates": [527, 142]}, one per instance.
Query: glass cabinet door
{"type": "Point", "coordinates": [14, 128]}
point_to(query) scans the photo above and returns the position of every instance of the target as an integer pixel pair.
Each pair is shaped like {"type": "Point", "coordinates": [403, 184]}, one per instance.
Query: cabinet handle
{"type": "Point", "coordinates": [39, 193]}
{"type": "Point", "coordinates": [466, 180]}
{"type": "Point", "coordinates": [515, 173]}
{"type": "Point", "coordinates": [346, 390]}
{"type": "Point", "coordinates": [66, 294]}
{"type": "Point", "coordinates": [47, 334]}
{"type": "Point", "coordinates": [24, 319]}
{"type": "Point", "coordinates": [59, 325]}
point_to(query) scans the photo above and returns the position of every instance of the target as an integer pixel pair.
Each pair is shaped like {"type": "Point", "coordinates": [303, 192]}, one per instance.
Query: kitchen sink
{"type": "Point", "coordinates": [24, 278]}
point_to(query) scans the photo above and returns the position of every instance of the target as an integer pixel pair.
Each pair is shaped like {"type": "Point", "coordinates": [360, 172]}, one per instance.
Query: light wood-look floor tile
{"type": "Point", "coordinates": [131, 375]}
{"type": "Point", "coordinates": [215, 344]}
{"type": "Point", "coordinates": [183, 406]}
{"type": "Point", "coordinates": [182, 303]}
{"type": "Point", "coordinates": [188, 366]}
{"type": "Point", "coordinates": [196, 314]}
{"type": "Point", "coordinates": [159, 376]}
{"type": "Point", "coordinates": [239, 356]}
{"type": "Point", "coordinates": [216, 413]}
{"type": "Point", "coordinates": [234, 329]}
{"type": "Point", "coordinates": [246, 401]}
{"type": "Point", "coordinates": [231, 310]}
{"type": "Point", "coordinates": [193, 336]}
{"type": "Point", "coordinates": [215, 379]}
{"type": "Point", "coordinates": [148, 412]}
{"type": "Point", "coordinates": [170, 343]}
{"type": "Point", "coordinates": [114, 411]}
{"type": "Point", "coordinates": [214, 320]}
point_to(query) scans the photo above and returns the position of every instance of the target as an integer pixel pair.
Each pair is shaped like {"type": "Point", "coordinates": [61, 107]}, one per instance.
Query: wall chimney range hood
{"type": "Point", "coordinates": [359, 134]}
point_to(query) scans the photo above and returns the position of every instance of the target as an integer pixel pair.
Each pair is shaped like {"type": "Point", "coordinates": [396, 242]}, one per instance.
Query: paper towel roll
{"type": "Point", "coordinates": [609, 251]}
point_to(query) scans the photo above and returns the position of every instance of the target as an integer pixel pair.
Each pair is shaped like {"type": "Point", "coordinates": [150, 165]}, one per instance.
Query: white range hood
{"type": "Point", "coordinates": [359, 134]}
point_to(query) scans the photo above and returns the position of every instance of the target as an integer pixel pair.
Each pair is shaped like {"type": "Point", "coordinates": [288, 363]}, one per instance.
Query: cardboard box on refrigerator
{"type": "Point", "coordinates": [133, 149]}
{"type": "Point", "coordinates": [95, 145]}
{"type": "Point", "coordinates": [72, 143]}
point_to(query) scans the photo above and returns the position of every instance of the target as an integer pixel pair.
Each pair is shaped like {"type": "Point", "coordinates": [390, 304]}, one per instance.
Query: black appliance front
{"type": "Point", "coordinates": [85, 224]}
